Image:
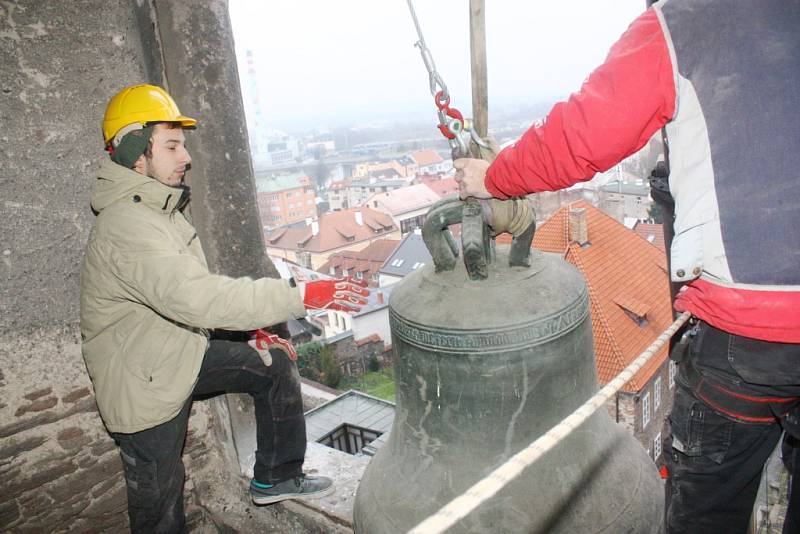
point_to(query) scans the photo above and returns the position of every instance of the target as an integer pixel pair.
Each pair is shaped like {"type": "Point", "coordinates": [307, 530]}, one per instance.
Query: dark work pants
{"type": "Point", "coordinates": [715, 461]}
{"type": "Point", "coordinates": [154, 470]}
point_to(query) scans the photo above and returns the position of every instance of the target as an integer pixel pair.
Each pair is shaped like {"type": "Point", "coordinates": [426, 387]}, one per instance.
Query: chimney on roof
{"type": "Point", "coordinates": [578, 227]}
{"type": "Point", "coordinates": [359, 218]}
{"type": "Point", "coordinates": [314, 227]}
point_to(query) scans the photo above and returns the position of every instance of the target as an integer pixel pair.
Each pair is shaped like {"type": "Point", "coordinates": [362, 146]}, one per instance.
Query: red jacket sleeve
{"type": "Point", "coordinates": [618, 109]}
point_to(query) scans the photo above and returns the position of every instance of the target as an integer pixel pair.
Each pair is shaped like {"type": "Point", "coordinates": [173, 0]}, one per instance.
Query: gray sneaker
{"type": "Point", "coordinates": [302, 487]}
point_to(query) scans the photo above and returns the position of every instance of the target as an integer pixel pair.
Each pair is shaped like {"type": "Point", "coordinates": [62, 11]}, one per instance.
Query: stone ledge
{"type": "Point", "coordinates": [226, 505]}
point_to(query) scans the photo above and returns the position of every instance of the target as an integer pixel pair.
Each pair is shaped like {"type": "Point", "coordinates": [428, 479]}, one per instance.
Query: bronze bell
{"type": "Point", "coordinates": [489, 355]}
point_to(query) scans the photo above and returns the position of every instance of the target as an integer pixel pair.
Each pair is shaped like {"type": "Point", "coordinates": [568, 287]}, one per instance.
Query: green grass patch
{"type": "Point", "coordinates": [378, 384]}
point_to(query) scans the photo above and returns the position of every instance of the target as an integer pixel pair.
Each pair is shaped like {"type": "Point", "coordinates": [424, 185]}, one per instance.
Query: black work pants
{"type": "Point", "coordinates": [715, 460]}
{"type": "Point", "coordinates": [154, 471]}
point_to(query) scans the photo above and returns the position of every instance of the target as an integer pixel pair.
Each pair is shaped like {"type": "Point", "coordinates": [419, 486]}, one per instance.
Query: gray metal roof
{"type": "Point", "coordinates": [627, 188]}
{"type": "Point", "coordinates": [373, 303]}
{"type": "Point", "coordinates": [410, 255]}
{"type": "Point", "coordinates": [353, 408]}
{"type": "Point", "coordinates": [378, 183]}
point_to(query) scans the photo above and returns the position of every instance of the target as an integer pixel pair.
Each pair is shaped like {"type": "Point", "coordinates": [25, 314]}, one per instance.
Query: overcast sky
{"type": "Point", "coordinates": [354, 61]}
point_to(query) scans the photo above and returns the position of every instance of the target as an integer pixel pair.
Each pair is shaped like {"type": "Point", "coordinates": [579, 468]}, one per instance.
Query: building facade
{"type": "Point", "coordinates": [285, 199]}
{"type": "Point", "coordinates": [312, 242]}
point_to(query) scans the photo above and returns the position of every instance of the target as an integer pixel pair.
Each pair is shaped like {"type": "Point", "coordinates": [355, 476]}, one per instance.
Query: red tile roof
{"type": "Point", "coordinates": [424, 158]}
{"type": "Point", "coordinates": [652, 233]}
{"type": "Point", "coordinates": [443, 187]}
{"type": "Point", "coordinates": [337, 229]}
{"type": "Point", "coordinates": [628, 289]}
{"type": "Point", "coordinates": [373, 338]}
{"type": "Point", "coordinates": [367, 261]}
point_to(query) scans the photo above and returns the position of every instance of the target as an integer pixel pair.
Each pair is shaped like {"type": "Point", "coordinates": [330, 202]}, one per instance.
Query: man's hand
{"type": "Point", "coordinates": [264, 341]}
{"type": "Point", "coordinates": [470, 175]}
{"type": "Point", "coordinates": [339, 294]}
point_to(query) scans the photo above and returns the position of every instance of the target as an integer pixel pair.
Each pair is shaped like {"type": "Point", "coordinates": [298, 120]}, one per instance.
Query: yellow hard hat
{"type": "Point", "coordinates": [141, 104]}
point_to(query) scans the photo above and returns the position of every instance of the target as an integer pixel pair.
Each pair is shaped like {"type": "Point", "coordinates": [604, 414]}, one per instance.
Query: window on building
{"type": "Point", "coordinates": [657, 446]}
{"type": "Point", "coordinates": [349, 438]}
{"type": "Point", "coordinates": [345, 272]}
{"type": "Point", "coordinates": [397, 263]}
{"type": "Point", "coordinates": [672, 370]}
{"type": "Point", "coordinates": [645, 409]}
{"type": "Point", "coordinates": [359, 275]}
{"type": "Point", "coordinates": [656, 393]}
{"type": "Point", "coordinates": [332, 271]}
{"type": "Point", "coordinates": [375, 276]}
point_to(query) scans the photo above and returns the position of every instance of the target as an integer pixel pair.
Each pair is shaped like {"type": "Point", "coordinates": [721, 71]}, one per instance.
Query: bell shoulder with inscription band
{"type": "Point", "coordinates": [484, 365]}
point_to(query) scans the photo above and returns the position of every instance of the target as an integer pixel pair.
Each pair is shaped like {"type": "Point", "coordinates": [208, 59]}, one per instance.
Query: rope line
{"type": "Point", "coordinates": [484, 489]}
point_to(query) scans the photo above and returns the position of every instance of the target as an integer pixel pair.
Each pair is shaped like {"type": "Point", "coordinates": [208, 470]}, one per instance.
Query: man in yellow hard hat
{"type": "Point", "coordinates": [148, 302]}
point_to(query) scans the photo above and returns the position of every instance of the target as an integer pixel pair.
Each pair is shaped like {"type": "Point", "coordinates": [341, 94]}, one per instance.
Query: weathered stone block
{"type": "Point", "coordinates": [116, 522]}
{"type": "Point", "coordinates": [9, 512]}
{"type": "Point", "coordinates": [99, 448]}
{"type": "Point", "coordinates": [74, 395]}
{"type": "Point", "coordinates": [117, 479]}
{"type": "Point", "coordinates": [85, 461]}
{"type": "Point", "coordinates": [35, 504]}
{"type": "Point", "coordinates": [39, 475]}
{"type": "Point", "coordinates": [85, 479]}
{"type": "Point", "coordinates": [114, 502]}
{"type": "Point", "coordinates": [38, 393]}
{"type": "Point", "coordinates": [83, 406]}
{"type": "Point", "coordinates": [73, 438]}
{"type": "Point", "coordinates": [37, 406]}
{"type": "Point", "coordinates": [15, 448]}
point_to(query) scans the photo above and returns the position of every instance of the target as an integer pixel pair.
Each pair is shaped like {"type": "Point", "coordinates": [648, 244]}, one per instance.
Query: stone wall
{"type": "Point", "coordinates": [59, 470]}
{"type": "Point", "coordinates": [60, 62]}
{"type": "Point", "coordinates": [353, 355]}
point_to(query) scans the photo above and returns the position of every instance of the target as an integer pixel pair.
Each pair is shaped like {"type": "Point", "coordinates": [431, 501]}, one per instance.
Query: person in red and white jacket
{"type": "Point", "coordinates": [722, 78]}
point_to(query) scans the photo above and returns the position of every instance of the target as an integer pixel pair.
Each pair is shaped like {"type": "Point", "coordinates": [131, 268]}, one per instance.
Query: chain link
{"type": "Point", "coordinates": [451, 122]}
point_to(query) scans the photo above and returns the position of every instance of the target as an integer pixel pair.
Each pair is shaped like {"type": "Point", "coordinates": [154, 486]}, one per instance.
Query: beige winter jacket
{"type": "Point", "coordinates": [147, 297]}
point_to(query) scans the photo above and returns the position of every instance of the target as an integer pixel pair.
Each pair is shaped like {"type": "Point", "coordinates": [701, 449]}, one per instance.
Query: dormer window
{"type": "Point", "coordinates": [633, 308]}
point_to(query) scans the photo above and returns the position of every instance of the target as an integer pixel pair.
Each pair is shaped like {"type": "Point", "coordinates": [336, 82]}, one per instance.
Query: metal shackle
{"type": "Point", "coordinates": [477, 240]}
